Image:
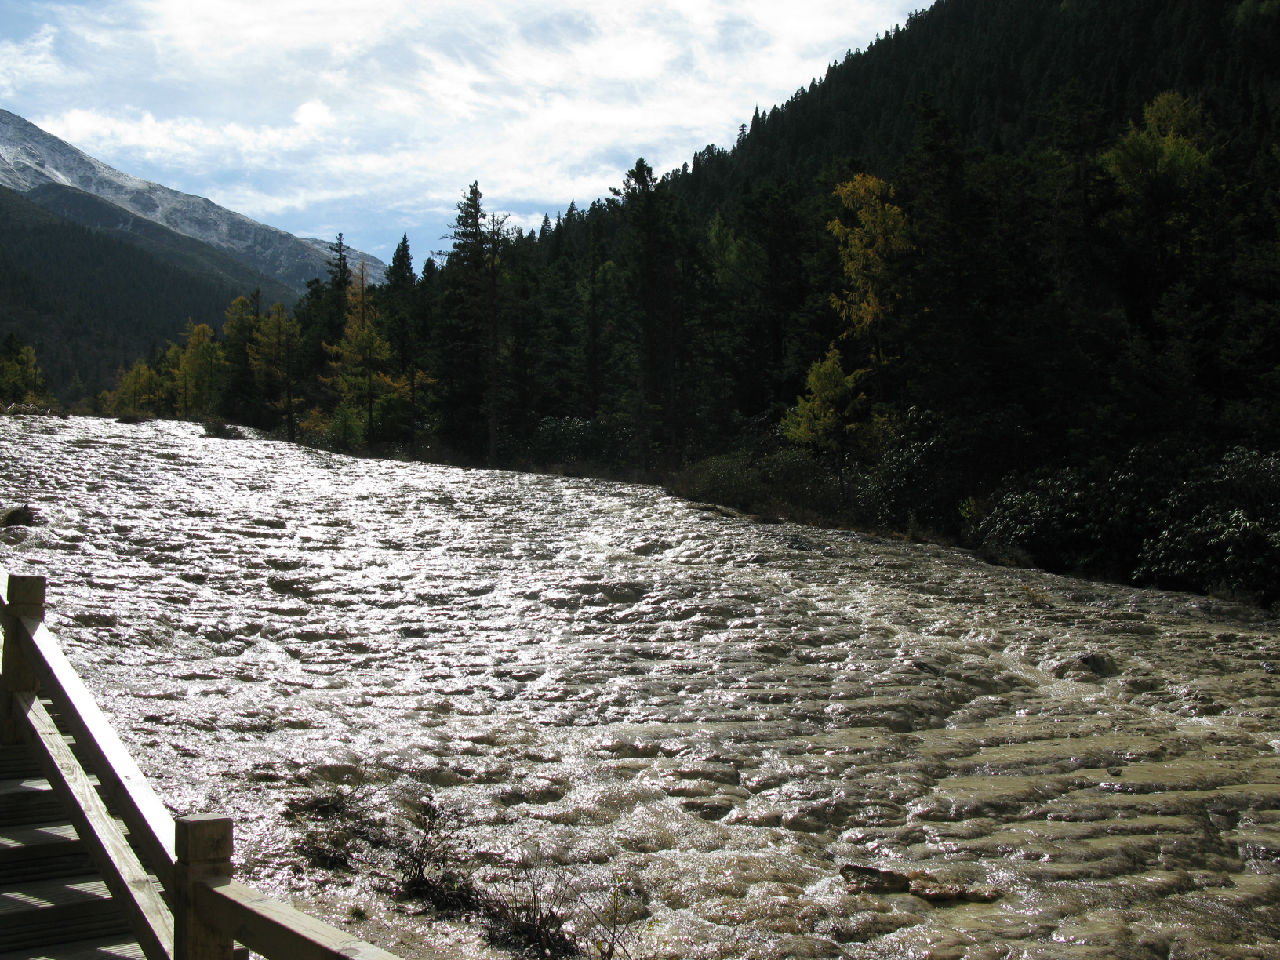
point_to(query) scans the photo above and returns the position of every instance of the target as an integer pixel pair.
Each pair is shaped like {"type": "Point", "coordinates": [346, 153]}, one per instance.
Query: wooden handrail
{"type": "Point", "coordinates": [122, 783]}
{"type": "Point", "coordinates": [20, 598]}
{"type": "Point", "coordinates": [126, 878]}
{"type": "Point", "coordinates": [275, 929]}
{"type": "Point", "coordinates": [195, 911]}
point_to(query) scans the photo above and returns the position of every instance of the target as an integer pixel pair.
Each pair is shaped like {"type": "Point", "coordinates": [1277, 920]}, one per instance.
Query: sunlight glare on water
{"type": "Point", "coordinates": [790, 741]}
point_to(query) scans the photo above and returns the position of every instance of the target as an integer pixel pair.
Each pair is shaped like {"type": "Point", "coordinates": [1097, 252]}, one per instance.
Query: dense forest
{"type": "Point", "coordinates": [1009, 276]}
{"type": "Point", "coordinates": [90, 300]}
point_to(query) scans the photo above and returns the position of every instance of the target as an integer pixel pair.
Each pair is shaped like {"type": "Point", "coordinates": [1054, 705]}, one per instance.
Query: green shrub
{"type": "Point", "coordinates": [346, 429]}
{"type": "Point", "coordinates": [1221, 530]}
{"type": "Point", "coordinates": [1164, 516]}
{"type": "Point", "coordinates": [1048, 515]}
{"type": "Point", "coordinates": [789, 481]}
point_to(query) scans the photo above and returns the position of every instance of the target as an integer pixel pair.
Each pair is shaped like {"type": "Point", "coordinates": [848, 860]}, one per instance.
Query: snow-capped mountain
{"type": "Point", "coordinates": [31, 159]}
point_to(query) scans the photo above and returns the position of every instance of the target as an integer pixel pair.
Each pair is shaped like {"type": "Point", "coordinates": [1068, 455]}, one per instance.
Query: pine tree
{"type": "Point", "coordinates": [274, 355]}
{"type": "Point", "coordinates": [241, 399]}
{"type": "Point", "coordinates": [360, 357]}
{"type": "Point", "coordinates": [471, 365]}
{"type": "Point", "coordinates": [396, 301]}
{"type": "Point", "coordinates": [655, 324]}
{"type": "Point", "coordinates": [322, 315]}
{"type": "Point", "coordinates": [198, 374]}
{"type": "Point", "coordinates": [139, 390]}
{"type": "Point", "coordinates": [20, 378]}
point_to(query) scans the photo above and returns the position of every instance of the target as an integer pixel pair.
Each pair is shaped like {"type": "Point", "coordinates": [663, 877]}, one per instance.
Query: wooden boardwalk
{"type": "Point", "coordinates": [53, 903]}
{"type": "Point", "coordinates": [92, 865]}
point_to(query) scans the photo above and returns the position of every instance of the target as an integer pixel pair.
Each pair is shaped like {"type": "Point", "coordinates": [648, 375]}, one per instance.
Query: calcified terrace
{"type": "Point", "coordinates": [790, 742]}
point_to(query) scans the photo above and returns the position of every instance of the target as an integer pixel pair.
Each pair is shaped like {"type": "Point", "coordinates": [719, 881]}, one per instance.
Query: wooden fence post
{"type": "Point", "coordinates": [203, 845]}
{"type": "Point", "coordinates": [23, 598]}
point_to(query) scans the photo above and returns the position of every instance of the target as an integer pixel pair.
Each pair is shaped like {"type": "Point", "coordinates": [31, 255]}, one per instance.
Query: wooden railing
{"type": "Point", "coordinates": [192, 909]}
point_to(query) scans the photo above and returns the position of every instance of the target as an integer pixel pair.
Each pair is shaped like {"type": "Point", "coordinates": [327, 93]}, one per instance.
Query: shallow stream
{"type": "Point", "coordinates": [779, 741]}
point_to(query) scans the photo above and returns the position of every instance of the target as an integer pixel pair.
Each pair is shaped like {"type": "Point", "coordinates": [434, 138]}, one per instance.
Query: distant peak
{"type": "Point", "coordinates": [31, 158]}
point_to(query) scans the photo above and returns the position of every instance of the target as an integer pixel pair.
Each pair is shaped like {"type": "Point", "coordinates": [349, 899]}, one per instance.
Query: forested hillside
{"type": "Point", "coordinates": [1010, 275]}
{"type": "Point", "coordinates": [1006, 75]}
{"type": "Point", "coordinates": [90, 303]}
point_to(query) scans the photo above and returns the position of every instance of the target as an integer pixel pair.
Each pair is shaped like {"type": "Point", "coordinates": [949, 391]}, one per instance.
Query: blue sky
{"type": "Point", "coordinates": [318, 117]}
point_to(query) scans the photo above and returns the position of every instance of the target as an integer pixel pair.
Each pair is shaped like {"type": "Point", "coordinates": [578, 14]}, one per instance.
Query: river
{"type": "Point", "coordinates": [776, 741]}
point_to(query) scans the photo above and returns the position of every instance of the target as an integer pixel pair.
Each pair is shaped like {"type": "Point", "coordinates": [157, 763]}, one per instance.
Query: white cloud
{"type": "Point", "coordinates": [32, 62]}
{"type": "Point", "coordinates": [313, 116]}
{"type": "Point", "coordinates": [178, 141]}
{"type": "Point", "coordinates": [275, 108]}
{"type": "Point", "coordinates": [274, 202]}
{"type": "Point", "coordinates": [190, 143]}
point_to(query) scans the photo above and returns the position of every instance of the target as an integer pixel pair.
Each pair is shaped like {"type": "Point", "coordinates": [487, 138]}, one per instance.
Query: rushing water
{"type": "Point", "coordinates": [788, 742]}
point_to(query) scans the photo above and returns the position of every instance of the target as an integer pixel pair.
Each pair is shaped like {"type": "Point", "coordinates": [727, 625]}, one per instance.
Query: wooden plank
{"type": "Point", "coordinates": [42, 851]}
{"type": "Point", "coordinates": [275, 929]}
{"type": "Point", "coordinates": [34, 785]}
{"type": "Point", "coordinates": [106, 948]}
{"type": "Point", "coordinates": [16, 761]}
{"type": "Point", "coordinates": [37, 840]}
{"type": "Point", "coordinates": [231, 909]}
{"type": "Point", "coordinates": [133, 890]}
{"type": "Point", "coordinates": [205, 845]}
{"type": "Point", "coordinates": [122, 782]}
{"type": "Point", "coordinates": [42, 894]}
{"type": "Point", "coordinates": [27, 800]}
{"type": "Point", "coordinates": [40, 913]}
{"type": "Point", "coordinates": [23, 594]}
{"type": "Point", "coordinates": [19, 597]}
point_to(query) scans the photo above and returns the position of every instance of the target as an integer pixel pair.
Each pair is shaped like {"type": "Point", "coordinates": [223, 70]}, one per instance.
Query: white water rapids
{"type": "Point", "coordinates": [791, 742]}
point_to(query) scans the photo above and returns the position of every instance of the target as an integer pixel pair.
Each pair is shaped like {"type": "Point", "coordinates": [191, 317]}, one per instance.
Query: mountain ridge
{"type": "Point", "coordinates": [32, 158]}
{"type": "Point", "coordinates": [87, 210]}
{"type": "Point", "coordinates": [91, 300]}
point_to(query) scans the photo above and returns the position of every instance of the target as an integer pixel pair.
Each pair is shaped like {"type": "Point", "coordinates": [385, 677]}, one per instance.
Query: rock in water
{"type": "Point", "coordinates": [22, 516]}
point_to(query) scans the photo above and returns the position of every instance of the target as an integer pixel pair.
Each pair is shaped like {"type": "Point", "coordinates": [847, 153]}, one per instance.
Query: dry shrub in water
{"type": "Point", "coordinates": [527, 903]}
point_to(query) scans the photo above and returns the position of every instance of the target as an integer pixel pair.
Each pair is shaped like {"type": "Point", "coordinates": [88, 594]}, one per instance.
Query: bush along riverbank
{"type": "Point", "coordinates": [1165, 515]}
